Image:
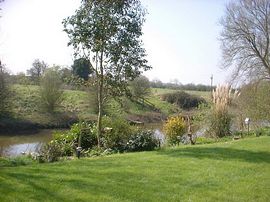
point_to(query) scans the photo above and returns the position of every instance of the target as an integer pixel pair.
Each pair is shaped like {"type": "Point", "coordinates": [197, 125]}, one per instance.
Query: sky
{"type": "Point", "coordinates": [180, 37]}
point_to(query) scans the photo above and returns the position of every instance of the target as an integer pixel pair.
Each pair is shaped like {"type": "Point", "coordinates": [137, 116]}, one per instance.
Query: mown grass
{"type": "Point", "coordinates": [232, 171]}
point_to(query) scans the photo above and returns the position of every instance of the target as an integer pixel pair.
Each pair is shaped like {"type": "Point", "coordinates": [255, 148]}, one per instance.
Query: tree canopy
{"type": "Point", "coordinates": [245, 38]}
{"type": "Point", "coordinates": [37, 69]}
{"type": "Point", "coordinates": [81, 68]}
{"type": "Point", "coordinates": [140, 87]}
{"type": "Point", "coordinates": [107, 33]}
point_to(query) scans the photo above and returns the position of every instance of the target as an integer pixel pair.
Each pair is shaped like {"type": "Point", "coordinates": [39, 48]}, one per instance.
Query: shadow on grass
{"type": "Point", "coordinates": [219, 153]}
{"type": "Point", "coordinates": [88, 183]}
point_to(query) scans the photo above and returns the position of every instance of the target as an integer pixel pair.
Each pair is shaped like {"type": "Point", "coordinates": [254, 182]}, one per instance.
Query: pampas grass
{"type": "Point", "coordinates": [222, 98]}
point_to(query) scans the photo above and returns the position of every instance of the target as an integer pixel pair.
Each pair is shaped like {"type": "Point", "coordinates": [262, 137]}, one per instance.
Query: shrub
{"type": "Point", "coordinates": [50, 91]}
{"type": "Point", "coordinates": [140, 87]}
{"type": "Point", "coordinates": [51, 151]}
{"type": "Point", "coordinates": [142, 141]}
{"type": "Point", "coordinates": [220, 124]}
{"type": "Point", "coordinates": [86, 132]}
{"type": "Point", "coordinates": [220, 119]}
{"type": "Point", "coordinates": [5, 94]}
{"type": "Point", "coordinates": [174, 128]}
{"type": "Point", "coordinates": [65, 143]}
{"type": "Point", "coordinates": [119, 134]}
{"type": "Point", "coordinates": [183, 99]}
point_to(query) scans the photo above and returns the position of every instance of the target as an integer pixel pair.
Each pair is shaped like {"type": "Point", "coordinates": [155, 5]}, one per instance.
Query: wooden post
{"type": "Point", "coordinates": [189, 131]}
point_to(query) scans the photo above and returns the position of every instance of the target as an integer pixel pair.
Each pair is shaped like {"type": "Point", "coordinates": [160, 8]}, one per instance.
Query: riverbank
{"type": "Point", "coordinates": [27, 115]}
{"type": "Point", "coordinates": [213, 172]}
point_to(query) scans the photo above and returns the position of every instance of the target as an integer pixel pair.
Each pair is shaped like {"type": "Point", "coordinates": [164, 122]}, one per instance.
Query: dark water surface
{"type": "Point", "coordinates": [14, 145]}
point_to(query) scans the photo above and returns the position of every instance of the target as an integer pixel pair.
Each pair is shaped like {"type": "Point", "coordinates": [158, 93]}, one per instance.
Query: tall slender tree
{"type": "Point", "coordinates": [107, 33]}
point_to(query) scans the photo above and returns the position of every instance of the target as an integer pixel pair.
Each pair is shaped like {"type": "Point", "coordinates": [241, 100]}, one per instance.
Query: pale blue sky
{"type": "Point", "coordinates": [180, 37]}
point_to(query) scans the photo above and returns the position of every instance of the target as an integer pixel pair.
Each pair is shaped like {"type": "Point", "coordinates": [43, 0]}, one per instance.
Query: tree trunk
{"type": "Point", "coordinates": [100, 100]}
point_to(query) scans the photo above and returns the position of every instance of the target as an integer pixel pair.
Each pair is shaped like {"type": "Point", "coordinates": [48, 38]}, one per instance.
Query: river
{"type": "Point", "coordinates": [14, 145]}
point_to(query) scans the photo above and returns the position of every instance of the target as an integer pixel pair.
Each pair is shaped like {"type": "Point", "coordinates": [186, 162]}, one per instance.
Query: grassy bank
{"type": "Point", "coordinates": [76, 105]}
{"type": "Point", "coordinates": [233, 171]}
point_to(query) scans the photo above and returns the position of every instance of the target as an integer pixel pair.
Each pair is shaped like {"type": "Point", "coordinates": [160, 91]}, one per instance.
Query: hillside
{"type": "Point", "coordinates": [79, 105]}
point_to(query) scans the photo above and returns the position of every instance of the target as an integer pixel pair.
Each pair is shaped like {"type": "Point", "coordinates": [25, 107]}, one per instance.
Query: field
{"type": "Point", "coordinates": [230, 171]}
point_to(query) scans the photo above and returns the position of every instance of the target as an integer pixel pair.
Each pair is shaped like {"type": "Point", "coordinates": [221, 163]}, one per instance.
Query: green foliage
{"type": "Point", "coordinates": [81, 68]}
{"type": "Point", "coordinates": [264, 131]}
{"type": "Point", "coordinates": [220, 124]}
{"type": "Point", "coordinates": [52, 151]}
{"type": "Point", "coordinates": [16, 161]}
{"type": "Point", "coordinates": [5, 95]}
{"type": "Point", "coordinates": [113, 36]}
{"type": "Point", "coordinates": [142, 141]}
{"type": "Point", "coordinates": [118, 136]}
{"type": "Point", "coordinates": [87, 134]}
{"type": "Point", "coordinates": [50, 90]}
{"type": "Point", "coordinates": [220, 117]}
{"type": "Point", "coordinates": [174, 128]}
{"type": "Point", "coordinates": [21, 79]}
{"type": "Point", "coordinates": [183, 99]}
{"type": "Point", "coordinates": [178, 86]}
{"type": "Point", "coordinates": [254, 101]}
{"type": "Point", "coordinates": [64, 143]}
{"type": "Point", "coordinates": [140, 87]}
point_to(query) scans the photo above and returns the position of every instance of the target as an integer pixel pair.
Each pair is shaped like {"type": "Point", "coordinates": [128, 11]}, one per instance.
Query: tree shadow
{"type": "Point", "coordinates": [219, 153]}
{"type": "Point", "coordinates": [89, 182]}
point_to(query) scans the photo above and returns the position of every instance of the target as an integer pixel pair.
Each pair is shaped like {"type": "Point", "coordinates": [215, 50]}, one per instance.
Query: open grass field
{"type": "Point", "coordinates": [232, 171]}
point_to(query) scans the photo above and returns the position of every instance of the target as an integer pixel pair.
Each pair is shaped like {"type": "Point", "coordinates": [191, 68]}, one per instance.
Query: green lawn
{"type": "Point", "coordinates": [232, 171]}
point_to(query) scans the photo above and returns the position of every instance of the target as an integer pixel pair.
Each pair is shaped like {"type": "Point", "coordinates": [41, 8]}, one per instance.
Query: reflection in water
{"type": "Point", "coordinates": [157, 128]}
{"type": "Point", "coordinates": [13, 145]}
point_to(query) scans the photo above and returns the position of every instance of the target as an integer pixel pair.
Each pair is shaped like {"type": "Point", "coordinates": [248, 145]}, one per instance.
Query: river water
{"type": "Point", "coordinates": [14, 145]}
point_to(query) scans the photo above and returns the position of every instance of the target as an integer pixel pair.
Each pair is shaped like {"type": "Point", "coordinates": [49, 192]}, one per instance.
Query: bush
{"type": "Point", "coordinates": [220, 119]}
{"type": "Point", "coordinates": [183, 99]}
{"type": "Point", "coordinates": [5, 94]}
{"type": "Point", "coordinates": [65, 143]}
{"type": "Point", "coordinates": [142, 141]}
{"type": "Point", "coordinates": [140, 87]}
{"type": "Point", "coordinates": [119, 134]}
{"type": "Point", "coordinates": [220, 124]}
{"type": "Point", "coordinates": [50, 91]}
{"type": "Point", "coordinates": [86, 132]}
{"type": "Point", "coordinates": [174, 128]}
{"type": "Point", "coordinates": [51, 151]}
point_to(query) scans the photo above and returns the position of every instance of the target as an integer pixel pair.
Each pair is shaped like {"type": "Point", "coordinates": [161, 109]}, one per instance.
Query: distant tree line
{"type": "Point", "coordinates": [179, 86]}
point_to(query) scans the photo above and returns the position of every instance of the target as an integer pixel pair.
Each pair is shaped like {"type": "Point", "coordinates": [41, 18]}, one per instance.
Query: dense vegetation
{"type": "Point", "coordinates": [183, 99]}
